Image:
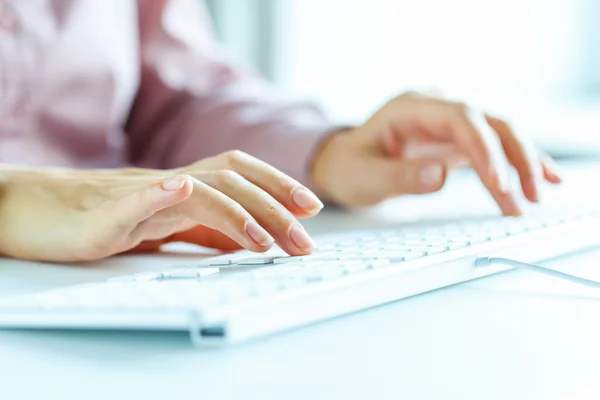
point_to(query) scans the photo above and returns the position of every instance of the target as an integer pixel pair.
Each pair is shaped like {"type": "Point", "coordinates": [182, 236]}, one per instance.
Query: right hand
{"type": "Point", "coordinates": [227, 202]}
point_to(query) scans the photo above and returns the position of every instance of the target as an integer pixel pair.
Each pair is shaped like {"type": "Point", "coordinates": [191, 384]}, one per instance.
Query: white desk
{"type": "Point", "coordinates": [488, 339]}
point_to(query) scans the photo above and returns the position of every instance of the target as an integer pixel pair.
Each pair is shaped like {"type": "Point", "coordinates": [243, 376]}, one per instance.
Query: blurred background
{"type": "Point", "coordinates": [535, 61]}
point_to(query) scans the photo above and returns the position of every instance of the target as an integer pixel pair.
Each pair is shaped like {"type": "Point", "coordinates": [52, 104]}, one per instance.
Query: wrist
{"type": "Point", "coordinates": [322, 161]}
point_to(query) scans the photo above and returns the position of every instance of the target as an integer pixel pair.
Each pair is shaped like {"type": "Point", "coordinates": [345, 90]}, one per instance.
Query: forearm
{"type": "Point", "coordinates": [253, 119]}
{"type": "Point", "coordinates": [194, 102]}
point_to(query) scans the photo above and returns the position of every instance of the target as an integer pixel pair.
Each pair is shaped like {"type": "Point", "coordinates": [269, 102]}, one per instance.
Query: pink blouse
{"type": "Point", "coordinates": [108, 83]}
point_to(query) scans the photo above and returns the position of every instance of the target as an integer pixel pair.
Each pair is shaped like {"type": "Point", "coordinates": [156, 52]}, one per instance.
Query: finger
{"type": "Point", "coordinates": [295, 197]}
{"type": "Point", "coordinates": [122, 215]}
{"type": "Point", "coordinates": [481, 144]}
{"type": "Point", "coordinates": [484, 148]}
{"type": "Point", "coordinates": [550, 169]}
{"type": "Point", "coordinates": [452, 156]}
{"type": "Point", "coordinates": [267, 211]}
{"type": "Point", "coordinates": [211, 208]}
{"type": "Point", "coordinates": [446, 121]}
{"type": "Point", "coordinates": [522, 155]}
{"type": "Point", "coordinates": [390, 177]}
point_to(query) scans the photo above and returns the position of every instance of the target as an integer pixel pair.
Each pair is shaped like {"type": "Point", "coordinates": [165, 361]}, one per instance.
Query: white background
{"type": "Point", "coordinates": [351, 55]}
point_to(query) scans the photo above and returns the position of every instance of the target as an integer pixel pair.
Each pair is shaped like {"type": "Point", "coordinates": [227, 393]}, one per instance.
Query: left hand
{"type": "Point", "coordinates": [373, 162]}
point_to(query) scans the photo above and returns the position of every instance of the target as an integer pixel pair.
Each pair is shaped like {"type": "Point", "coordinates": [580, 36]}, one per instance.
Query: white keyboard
{"type": "Point", "coordinates": [239, 296]}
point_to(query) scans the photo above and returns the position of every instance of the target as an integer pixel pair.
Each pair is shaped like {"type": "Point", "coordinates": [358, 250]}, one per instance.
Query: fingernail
{"type": "Point", "coordinates": [258, 234]}
{"type": "Point", "coordinates": [551, 169]}
{"type": "Point", "coordinates": [431, 176]}
{"type": "Point", "coordinates": [306, 200]}
{"type": "Point", "coordinates": [173, 185]}
{"type": "Point", "coordinates": [555, 175]}
{"type": "Point", "coordinates": [301, 238]}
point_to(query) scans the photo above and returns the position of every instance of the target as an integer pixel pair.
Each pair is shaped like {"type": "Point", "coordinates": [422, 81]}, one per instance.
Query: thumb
{"type": "Point", "coordinates": [413, 176]}
{"type": "Point", "coordinates": [133, 208]}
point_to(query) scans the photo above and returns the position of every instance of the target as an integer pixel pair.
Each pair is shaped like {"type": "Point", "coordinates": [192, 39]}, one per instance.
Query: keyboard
{"type": "Point", "coordinates": [240, 296]}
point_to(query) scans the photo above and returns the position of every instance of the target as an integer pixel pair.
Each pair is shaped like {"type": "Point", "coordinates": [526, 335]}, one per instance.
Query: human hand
{"type": "Point", "coordinates": [228, 202]}
{"type": "Point", "coordinates": [368, 164]}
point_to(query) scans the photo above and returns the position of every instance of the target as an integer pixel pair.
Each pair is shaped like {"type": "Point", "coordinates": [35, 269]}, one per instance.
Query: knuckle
{"type": "Point", "coordinates": [234, 213]}
{"type": "Point", "coordinates": [143, 197]}
{"type": "Point", "coordinates": [231, 210]}
{"type": "Point", "coordinates": [460, 108]}
{"type": "Point", "coordinates": [286, 183]}
{"type": "Point", "coordinates": [411, 94]}
{"type": "Point", "coordinates": [402, 99]}
{"type": "Point", "coordinates": [277, 214]}
{"type": "Point", "coordinates": [233, 157]}
{"type": "Point", "coordinates": [225, 176]}
{"type": "Point", "coordinates": [272, 210]}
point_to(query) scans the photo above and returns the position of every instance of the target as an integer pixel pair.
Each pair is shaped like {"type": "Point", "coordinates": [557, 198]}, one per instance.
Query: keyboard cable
{"type": "Point", "coordinates": [484, 262]}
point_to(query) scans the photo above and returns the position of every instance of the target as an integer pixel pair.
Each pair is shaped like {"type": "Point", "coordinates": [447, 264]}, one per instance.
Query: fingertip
{"type": "Point", "coordinates": [181, 187]}
{"type": "Point", "coordinates": [303, 214]}
{"type": "Point", "coordinates": [301, 239]}
{"type": "Point", "coordinates": [173, 184]}
{"type": "Point", "coordinates": [511, 209]}
{"type": "Point", "coordinates": [187, 188]}
{"type": "Point", "coordinates": [509, 206]}
{"type": "Point", "coordinates": [531, 190]}
{"type": "Point", "coordinates": [550, 168]}
{"type": "Point", "coordinates": [551, 177]}
{"type": "Point", "coordinates": [432, 176]}
{"type": "Point", "coordinates": [260, 249]}
{"type": "Point", "coordinates": [259, 235]}
{"type": "Point", "coordinates": [307, 201]}
{"type": "Point", "coordinates": [517, 211]}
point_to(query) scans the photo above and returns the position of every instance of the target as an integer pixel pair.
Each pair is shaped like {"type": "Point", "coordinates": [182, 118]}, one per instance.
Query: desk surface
{"type": "Point", "coordinates": [512, 336]}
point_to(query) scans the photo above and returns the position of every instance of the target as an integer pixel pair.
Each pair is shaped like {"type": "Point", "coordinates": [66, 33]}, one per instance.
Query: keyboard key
{"type": "Point", "coordinates": [378, 263]}
{"type": "Point", "coordinates": [311, 264]}
{"type": "Point", "coordinates": [220, 262]}
{"type": "Point", "coordinates": [323, 273]}
{"type": "Point", "coordinates": [357, 266]}
{"type": "Point", "coordinates": [326, 248]}
{"type": "Point", "coordinates": [452, 245]}
{"type": "Point", "coordinates": [420, 248]}
{"type": "Point", "coordinates": [349, 250]}
{"type": "Point", "coordinates": [276, 272]}
{"type": "Point", "coordinates": [416, 242]}
{"type": "Point", "coordinates": [470, 239]}
{"type": "Point", "coordinates": [403, 255]}
{"type": "Point", "coordinates": [371, 244]}
{"type": "Point", "coordinates": [188, 273]}
{"type": "Point", "coordinates": [293, 259]}
{"type": "Point", "coordinates": [315, 257]}
{"type": "Point", "coordinates": [255, 260]}
{"type": "Point", "coordinates": [436, 250]}
{"type": "Point", "coordinates": [141, 277]}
